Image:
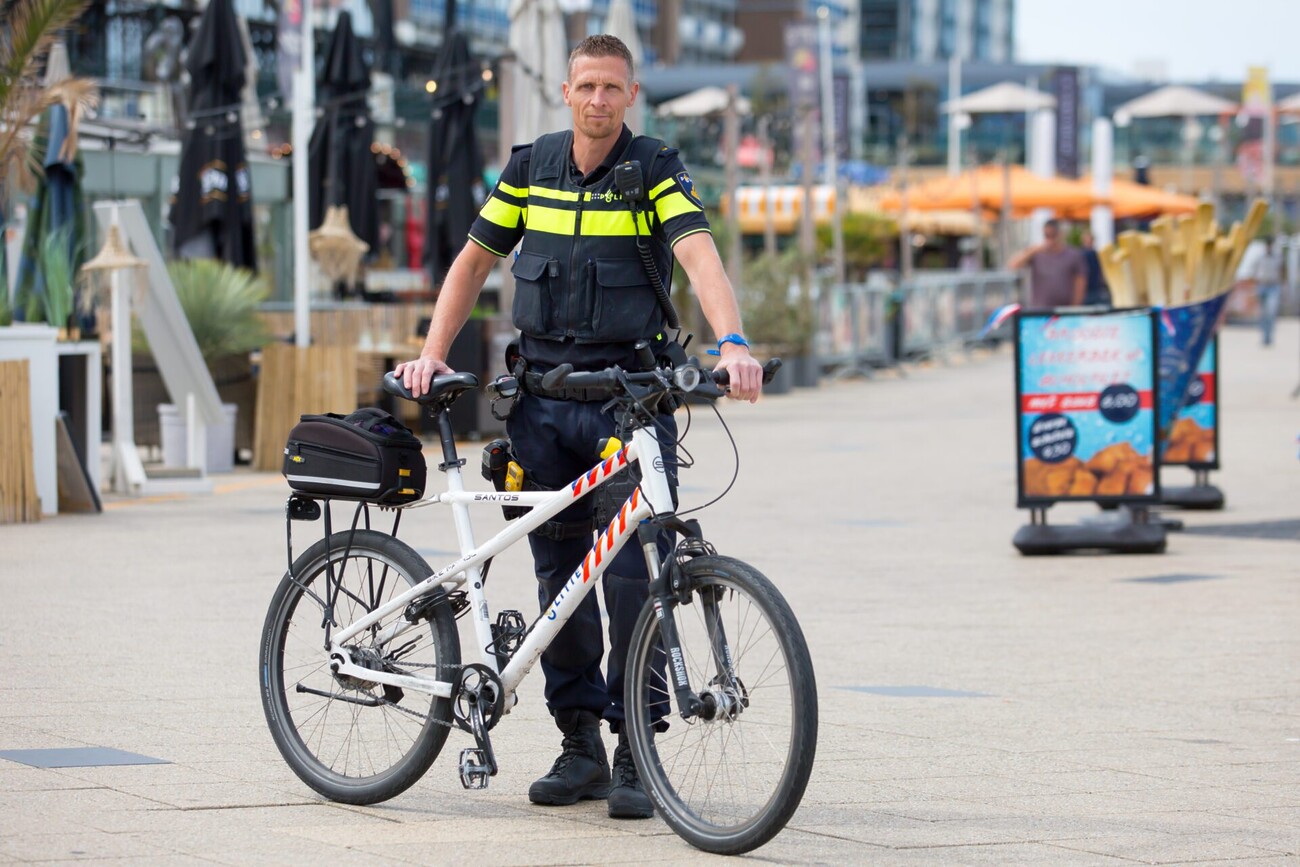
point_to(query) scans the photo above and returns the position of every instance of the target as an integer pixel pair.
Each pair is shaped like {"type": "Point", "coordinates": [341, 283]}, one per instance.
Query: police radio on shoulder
{"type": "Point", "coordinates": [737, 339]}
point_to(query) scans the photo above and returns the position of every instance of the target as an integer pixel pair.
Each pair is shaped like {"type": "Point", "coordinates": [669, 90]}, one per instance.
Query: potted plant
{"type": "Point", "coordinates": [222, 304]}
{"type": "Point", "coordinates": [777, 313]}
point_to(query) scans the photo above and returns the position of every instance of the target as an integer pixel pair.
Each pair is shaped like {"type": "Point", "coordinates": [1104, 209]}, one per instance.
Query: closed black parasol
{"type": "Point", "coordinates": [342, 165]}
{"type": "Point", "coordinates": [212, 213]}
{"type": "Point", "coordinates": [455, 163]}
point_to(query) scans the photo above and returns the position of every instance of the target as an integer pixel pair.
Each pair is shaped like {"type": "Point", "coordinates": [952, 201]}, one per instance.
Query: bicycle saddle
{"type": "Point", "coordinates": [442, 390]}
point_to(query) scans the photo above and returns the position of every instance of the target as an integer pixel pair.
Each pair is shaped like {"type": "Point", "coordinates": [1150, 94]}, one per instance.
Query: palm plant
{"type": "Point", "coordinates": [31, 27]}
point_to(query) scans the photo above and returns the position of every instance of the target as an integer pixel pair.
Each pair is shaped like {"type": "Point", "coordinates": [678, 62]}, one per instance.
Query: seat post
{"type": "Point", "coordinates": [449, 458]}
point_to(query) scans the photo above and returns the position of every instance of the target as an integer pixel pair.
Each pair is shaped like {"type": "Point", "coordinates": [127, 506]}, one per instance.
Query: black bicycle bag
{"type": "Point", "coordinates": [367, 455]}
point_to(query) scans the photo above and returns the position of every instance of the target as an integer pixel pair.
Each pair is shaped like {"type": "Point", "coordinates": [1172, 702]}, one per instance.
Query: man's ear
{"type": "Point", "coordinates": [565, 88]}
{"type": "Point", "coordinates": [632, 92]}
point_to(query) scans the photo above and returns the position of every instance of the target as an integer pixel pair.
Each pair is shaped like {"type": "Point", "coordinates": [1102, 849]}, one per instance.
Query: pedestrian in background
{"type": "Point", "coordinates": [1095, 289]}
{"type": "Point", "coordinates": [1057, 273]}
{"type": "Point", "coordinates": [1267, 275]}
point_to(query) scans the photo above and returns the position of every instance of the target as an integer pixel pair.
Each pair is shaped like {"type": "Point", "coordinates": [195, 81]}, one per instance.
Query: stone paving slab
{"type": "Point", "coordinates": [976, 706]}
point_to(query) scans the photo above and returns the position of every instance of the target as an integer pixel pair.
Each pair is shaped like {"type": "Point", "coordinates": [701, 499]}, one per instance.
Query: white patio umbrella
{"type": "Point", "coordinates": [621, 22]}
{"type": "Point", "coordinates": [541, 65]}
{"type": "Point", "coordinates": [1005, 98]}
{"type": "Point", "coordinates": [701, 103]}
{"type": "Point", "coordinates": [1290, 105]}
{"type": "Point", "coordinates": [1175, 101]}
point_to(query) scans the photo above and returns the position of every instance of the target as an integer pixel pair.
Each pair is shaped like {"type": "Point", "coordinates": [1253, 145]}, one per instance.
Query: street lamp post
{"type": "Point", "coordinates": [829, 155]}
{"type": "Point", "coordinates": [304, 105]}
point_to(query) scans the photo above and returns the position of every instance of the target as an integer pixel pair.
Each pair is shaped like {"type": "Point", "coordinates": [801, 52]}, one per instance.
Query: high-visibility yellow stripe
{"type": "Point", "coordinates": [674, 205]}
{"type": "Point", "coordinates": [545, 193]}
{"type": "Point", "coordinates": [517, 192]}
{"type": "Point", "coordinates": [501, 213]}
{"type": "Point", "coordinates": [496, 253]}
{"type": "Point", "coordinates": [612, 223]}
{"type": "Point", "coordinates": [659, 189]}
{"type": "Point", "coordinates": [688, 234]}
{"type": "Point", "coordinates": [556, 221]}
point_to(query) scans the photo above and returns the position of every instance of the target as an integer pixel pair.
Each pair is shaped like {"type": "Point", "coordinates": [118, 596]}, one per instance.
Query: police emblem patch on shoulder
{"type": "Point", "coordinates": [688, 187]}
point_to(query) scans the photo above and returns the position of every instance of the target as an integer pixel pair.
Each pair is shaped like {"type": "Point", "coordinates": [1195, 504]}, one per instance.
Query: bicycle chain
{"type": "Point", "coordinates": [423, 716]}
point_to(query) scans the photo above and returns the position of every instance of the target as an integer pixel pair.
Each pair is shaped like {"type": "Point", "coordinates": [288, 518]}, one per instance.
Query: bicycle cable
{"type": "Point", "coordinates": [735, 472]}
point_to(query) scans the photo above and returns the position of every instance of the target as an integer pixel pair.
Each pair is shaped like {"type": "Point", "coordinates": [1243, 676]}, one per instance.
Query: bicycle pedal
{"type": "Point", "coordinates": [474, 769]}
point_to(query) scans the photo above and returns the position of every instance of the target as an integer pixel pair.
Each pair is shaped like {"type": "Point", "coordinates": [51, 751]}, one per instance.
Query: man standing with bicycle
{"type": "Point", "coordinates": [585, 295]}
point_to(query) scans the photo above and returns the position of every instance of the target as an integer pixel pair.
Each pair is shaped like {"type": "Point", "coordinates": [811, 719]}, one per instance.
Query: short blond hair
{"type": "Point", "coordinates": [603, 45]}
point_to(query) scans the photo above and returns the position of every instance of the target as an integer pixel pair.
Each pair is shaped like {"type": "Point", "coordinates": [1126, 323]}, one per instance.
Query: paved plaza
{"type": "Point", "coordinates": [976, 706]}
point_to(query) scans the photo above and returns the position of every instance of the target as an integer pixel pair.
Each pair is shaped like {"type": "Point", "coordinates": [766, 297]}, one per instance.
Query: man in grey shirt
{"type": "Point", "coordinates": [1057, 272]}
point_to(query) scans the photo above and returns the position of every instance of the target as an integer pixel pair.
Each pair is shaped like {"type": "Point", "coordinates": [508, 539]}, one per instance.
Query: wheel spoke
{"type": "Point", "coordinates": [729, 783]}
{"type": "Point", "coordinates": [355, 743]}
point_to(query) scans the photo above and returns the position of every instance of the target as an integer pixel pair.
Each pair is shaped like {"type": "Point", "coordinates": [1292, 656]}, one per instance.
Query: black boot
{"type": "Point", "coordinates": [582, 770]}
{"type": "Point", "coordinates": [627, 798]}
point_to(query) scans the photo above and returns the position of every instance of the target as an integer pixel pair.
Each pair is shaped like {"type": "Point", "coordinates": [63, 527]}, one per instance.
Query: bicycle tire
{"type": "Point", "coordinates": [347, 751]}
{"type": "Point", "coordinates": [761, 787]}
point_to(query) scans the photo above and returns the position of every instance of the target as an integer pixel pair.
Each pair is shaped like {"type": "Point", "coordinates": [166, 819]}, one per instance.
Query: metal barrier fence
{"type": "Point", "coordinates": [883, 321]}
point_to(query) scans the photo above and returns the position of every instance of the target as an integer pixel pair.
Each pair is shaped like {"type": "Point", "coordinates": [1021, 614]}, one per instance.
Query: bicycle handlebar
{"type": "Point", "coordinates": [690, 378]}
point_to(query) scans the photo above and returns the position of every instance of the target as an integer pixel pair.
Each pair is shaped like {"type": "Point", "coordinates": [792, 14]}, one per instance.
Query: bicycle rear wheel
{"type": "Point", "coordinates": [355, 741]}
{"type": "Point", "coordinates": [729, 779]}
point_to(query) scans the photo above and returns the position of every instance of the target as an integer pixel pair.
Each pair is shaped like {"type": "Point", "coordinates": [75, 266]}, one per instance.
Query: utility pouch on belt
{"type": "Point", "coordinates": [609, 497]}
{"type": "Point", "coordinates": [504, 472]}
{"type": "Point", "coordinates": [367, 455]}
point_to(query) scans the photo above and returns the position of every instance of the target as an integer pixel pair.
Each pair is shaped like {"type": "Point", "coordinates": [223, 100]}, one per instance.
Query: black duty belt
{"type": "Point", "coordinates": [531, 381]}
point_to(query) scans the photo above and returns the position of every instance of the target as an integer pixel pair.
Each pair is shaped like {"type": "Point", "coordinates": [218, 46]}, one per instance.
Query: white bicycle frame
{"type": "Point", "coordinates": [652, 497]}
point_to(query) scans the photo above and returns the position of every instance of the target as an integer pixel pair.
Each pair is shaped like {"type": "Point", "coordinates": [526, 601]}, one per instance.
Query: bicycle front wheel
{"type": "Point", "coordinates": [728, 779]}
{"type": "Point", "coordinates": [350, 739]}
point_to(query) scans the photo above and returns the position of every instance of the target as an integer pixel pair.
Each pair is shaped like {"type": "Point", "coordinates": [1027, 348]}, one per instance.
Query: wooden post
{"type": "Point", "coordinates": [19, 502]}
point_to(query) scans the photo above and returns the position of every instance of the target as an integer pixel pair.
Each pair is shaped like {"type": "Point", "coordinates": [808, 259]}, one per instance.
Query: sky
{"type": "Point", "coordinates": [1195, 40]}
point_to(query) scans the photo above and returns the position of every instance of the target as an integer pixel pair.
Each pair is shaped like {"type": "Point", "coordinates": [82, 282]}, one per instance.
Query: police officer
{"type": "Point", "coordinates": [583, 296]}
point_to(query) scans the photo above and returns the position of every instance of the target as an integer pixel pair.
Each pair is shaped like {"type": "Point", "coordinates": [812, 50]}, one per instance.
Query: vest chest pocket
{"type": "Point", "coordinates": [625, 307]}
{"type": "Point", "coordinates": [533, 310]}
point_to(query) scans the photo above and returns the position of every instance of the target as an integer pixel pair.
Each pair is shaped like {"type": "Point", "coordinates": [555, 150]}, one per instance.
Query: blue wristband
{"type": "Point", "coordinates": [737, 339]}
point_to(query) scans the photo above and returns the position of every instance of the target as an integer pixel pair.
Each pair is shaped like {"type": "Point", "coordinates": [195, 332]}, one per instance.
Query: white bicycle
{"type": "Point", "coordinates": [360, 662]}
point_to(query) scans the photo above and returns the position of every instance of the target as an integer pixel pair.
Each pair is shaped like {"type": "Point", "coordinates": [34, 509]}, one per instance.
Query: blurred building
{"type": "Point", "coordinates": [928, 30]}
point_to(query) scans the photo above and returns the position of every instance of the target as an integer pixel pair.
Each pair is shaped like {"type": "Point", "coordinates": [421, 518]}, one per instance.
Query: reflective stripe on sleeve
{"type": "Point", "coordinates": [505, 215]}
{"type": "Point", "coordinates": [663, 186]}
{"type": "Point", "coordinates": [674, 205]}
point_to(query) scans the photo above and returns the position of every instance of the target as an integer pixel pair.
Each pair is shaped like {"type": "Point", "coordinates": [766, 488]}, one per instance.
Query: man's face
{"type": "Point", "coordinates": [1051, 234]}
{"type": "Point", "coordinates": [599, 92]}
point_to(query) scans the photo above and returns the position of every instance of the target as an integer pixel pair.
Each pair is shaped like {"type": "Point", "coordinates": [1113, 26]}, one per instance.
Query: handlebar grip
{"type": "Point", "coordinates": [722, 377]}
{"type": "Point", "coordinates": [394, 386]}
{"type": "Point", "coordinates": [555, 377]}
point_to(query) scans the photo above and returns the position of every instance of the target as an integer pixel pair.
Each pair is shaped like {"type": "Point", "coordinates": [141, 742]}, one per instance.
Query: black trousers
{"type": "Point", "coordinates": [555, 441]}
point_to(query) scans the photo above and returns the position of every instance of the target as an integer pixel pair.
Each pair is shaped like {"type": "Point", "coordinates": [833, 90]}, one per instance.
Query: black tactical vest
{"type": "Point", "coordinates": [578, 274]}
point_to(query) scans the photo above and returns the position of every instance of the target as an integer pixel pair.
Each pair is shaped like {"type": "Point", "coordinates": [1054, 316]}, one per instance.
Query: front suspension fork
{"type": "Point", "coordinates": [667, 591]}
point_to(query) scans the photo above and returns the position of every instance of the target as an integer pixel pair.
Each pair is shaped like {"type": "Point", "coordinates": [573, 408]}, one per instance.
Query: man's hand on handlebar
{"type": "Point", "coordinates": [416, 375]}
{"type": "Point", "coordinates": [745, 372]}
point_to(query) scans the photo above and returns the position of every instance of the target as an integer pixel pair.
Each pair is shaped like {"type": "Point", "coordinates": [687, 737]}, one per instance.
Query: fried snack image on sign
{"type": "Point", "coordinates": [1084, 484]}
{"type": "Point", "coordinates": [1115, 483]}
{"type": "Point", "coordinates": [1190, 443]}
{"type": "Point", "coordinates": [1141, 481]}
{"type": "Point", "coordinates": [1050, 480]}
{"type": "Point", "coordinates": [1108, 459]}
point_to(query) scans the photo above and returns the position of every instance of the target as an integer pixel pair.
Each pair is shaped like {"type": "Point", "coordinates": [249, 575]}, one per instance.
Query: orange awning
{"type": "Point", "coordinates": [983, 188]}
{"type": "Point", "coordinates": [1129, 200]}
